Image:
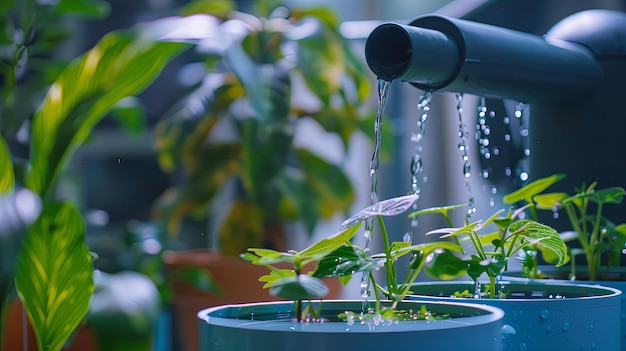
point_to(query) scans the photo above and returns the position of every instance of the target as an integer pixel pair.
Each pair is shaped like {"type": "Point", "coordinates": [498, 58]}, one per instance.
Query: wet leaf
{"type": "Point", "coordinates": [549, 201]}
{"type": "Point", "coordinates": [325, 246]}
{"type": "Point", "coordinates": [545, 237]}
{"type": "Point", "coordinates": [527, 192]}
{"type": "Point", "coordinates": [345, 261]}
{"type": "Point", "coordinates": [301, 287]}
{"type": "Point", "coordinates": [444, 265]}
{"type": "Point", "coordinates": [613, 195]}
{"type": "Point", "coordinates": [390, 207]}
{"type": "Point", "coordinates": [444, 210]}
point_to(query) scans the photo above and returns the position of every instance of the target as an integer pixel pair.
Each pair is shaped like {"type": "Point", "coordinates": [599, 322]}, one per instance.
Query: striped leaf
{"type": "Point", "coordinates": [7, 180]}
{"type": "Point", "coordinates": [54, 275]}
{"type": "Point", "coordinates": [122, 64]}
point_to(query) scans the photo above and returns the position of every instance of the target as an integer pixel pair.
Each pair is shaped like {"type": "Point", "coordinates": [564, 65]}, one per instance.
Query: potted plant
{"type": "Point", "coordinates": [537, 315]}
{"type": "Point", "coordinates": [53, 276]}
{"type": "Point", "coordinates": [270, 73]}
{"type": "Point", "coordinates": [595, 243]}
{"type": "Point", "coordinates": [334, 324]}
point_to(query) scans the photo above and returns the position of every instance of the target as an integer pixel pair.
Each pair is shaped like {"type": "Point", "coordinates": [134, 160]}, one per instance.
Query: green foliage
{"type": "Point", "coordinates": [252, 89]}
{"type": "Point", "coordinates": [54, 274]}
{"type": "Point", "coordinates": [597, 235]}
{"type": "Point", "coordinates": [492, 249]}
{"type": "Point", "coordinates": [337, 257]}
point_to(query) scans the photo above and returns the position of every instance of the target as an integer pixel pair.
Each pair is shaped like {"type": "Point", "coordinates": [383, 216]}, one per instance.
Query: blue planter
{"type": "Point", "coordinates": [269, 326]}
{"type": "Point", "coordinates": [560, 275]}
{"type": "Point", "coordinates": [545, 316]}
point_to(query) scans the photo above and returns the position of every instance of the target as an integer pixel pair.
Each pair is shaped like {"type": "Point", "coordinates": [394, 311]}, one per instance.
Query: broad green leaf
{"type": "Point", "coordinates": [130, 114]}
{"type": "Point", "coordinates": [444, 265]}
{"type": "Point", "coordinates": [265, 257]}
{"type": "Point", "coordinates": [527, 192]}
{"type": "Point", "coordinates": [275, 275]}
{"type": "Point", "coordinates": [299, 200]}
{"type": "Point", "coordinates": [545, 237]}
{"type": "Point", "coordinates": [264, 154]}
{"type": "Point", "coordinates": [327, 245]}
{"type": "Point", "coordinates": [390, 207]}
{"type": "Point", "coordinates": [54, 276]}
{"type": "Point", "coordinates": [85, 8]}
{"type": "Point", "coordinates": [549, 201]}
{"type": "Point", "coordinates": [321, 61]}
{"type": "Point", "coordinates": [330, 183]}
{"type": "Point", "coordinates": [444, 210]}
{"type": "Point", "coordinates": [345, 261]}
{"type": "Point", "coordinates": [301, 287]}
{"type": "Point", "coordinates": [242, 227]}
{"type": "Point", "coordinates": [613, 195]}
{"type": "Point", "coordinates": [122, 64]}
{"type": "Point", "coordinates": [7, 177]}
{"type": "Point", "coordinates": [212, 167]}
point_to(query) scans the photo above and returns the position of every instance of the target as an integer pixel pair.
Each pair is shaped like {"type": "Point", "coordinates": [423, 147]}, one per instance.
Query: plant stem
{"type": "Point", "coordinates": [390, 271]}
{"type": "Point", "coordinates": [492, 287]}
{"type": "Point", "coordinates": [376, 292]}
{"type": "Point", "coordinates": [298, 310]}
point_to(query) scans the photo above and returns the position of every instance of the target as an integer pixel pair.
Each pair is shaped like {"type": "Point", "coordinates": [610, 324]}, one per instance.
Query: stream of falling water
{"type": "Point", "coordinates": [383, 91]}
{"type": "Point", "coordinates": [467, 165]}
{"type": "Point", "coordinates": [521, 114]}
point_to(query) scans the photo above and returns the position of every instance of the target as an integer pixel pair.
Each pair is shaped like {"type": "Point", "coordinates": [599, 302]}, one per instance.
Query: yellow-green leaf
{"type": "Point", "coordinates": [7, 177]}
{"type": "Point", "coordinates": [54, 275]}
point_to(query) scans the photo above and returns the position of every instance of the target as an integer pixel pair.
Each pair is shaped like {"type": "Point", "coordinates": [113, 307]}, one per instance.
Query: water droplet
{"type": "Point", "coordinates": [507, 330]}
{"type": "Point", "coordinates": [566, 326]}
{"type": "Point", "coordinates": [522, 347]}
{"type": "Point", "coordinates": [590, 328]}
{"type": "Point", "coordinates": [408, 237]}
{"type": "Point", "coordinates": [545, 314]}
{"type": "Point", "coordinates": [523, 176]}
{"type": "Point", "coordinates": [548, 329]}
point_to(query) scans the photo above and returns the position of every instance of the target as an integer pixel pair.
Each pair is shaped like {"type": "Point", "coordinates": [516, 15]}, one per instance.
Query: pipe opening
{"type": "Point", "coordinates": [388, 51]}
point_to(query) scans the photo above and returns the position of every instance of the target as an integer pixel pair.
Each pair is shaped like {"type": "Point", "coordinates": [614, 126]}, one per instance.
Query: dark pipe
{"type": "Point", "coordinates": [440, 53]}
{"type": "Point", "coordinates": [585, 138]}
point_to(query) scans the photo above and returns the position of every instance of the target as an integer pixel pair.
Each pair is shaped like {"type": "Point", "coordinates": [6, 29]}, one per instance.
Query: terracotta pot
{"type": "Point", "coordinates": [13, 333]}
{"type": "Point", "coordinates": [236, 279]}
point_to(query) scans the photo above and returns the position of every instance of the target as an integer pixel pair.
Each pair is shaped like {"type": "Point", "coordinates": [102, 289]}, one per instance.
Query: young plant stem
{"type": "Point", "coordinates": [410, 278]}
{"type": "Point", "coordinates": [298, 310]}
{"type": "Point", "coordinates": [390, 271]}
{"type": "Point", "coordinates": [492, 287]}
{"type": "Point", "coordinates": [376, 291]}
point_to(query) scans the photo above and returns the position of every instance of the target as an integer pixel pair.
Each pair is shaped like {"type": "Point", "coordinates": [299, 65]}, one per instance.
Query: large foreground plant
{"type": "Point", "coordinates": [54, 267]}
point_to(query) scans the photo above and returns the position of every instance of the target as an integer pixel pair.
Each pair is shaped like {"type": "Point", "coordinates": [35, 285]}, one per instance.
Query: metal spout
{"type": "Point", "coordinates": [441, 53]}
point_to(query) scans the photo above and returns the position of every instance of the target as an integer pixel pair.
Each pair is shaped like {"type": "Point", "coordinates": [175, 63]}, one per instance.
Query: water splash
{"type": "Point", "coordinates": [463, 148]}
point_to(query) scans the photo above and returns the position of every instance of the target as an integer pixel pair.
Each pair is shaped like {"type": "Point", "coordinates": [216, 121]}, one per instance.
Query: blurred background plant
{"type": "Point", "coordinates": [267, 77]}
